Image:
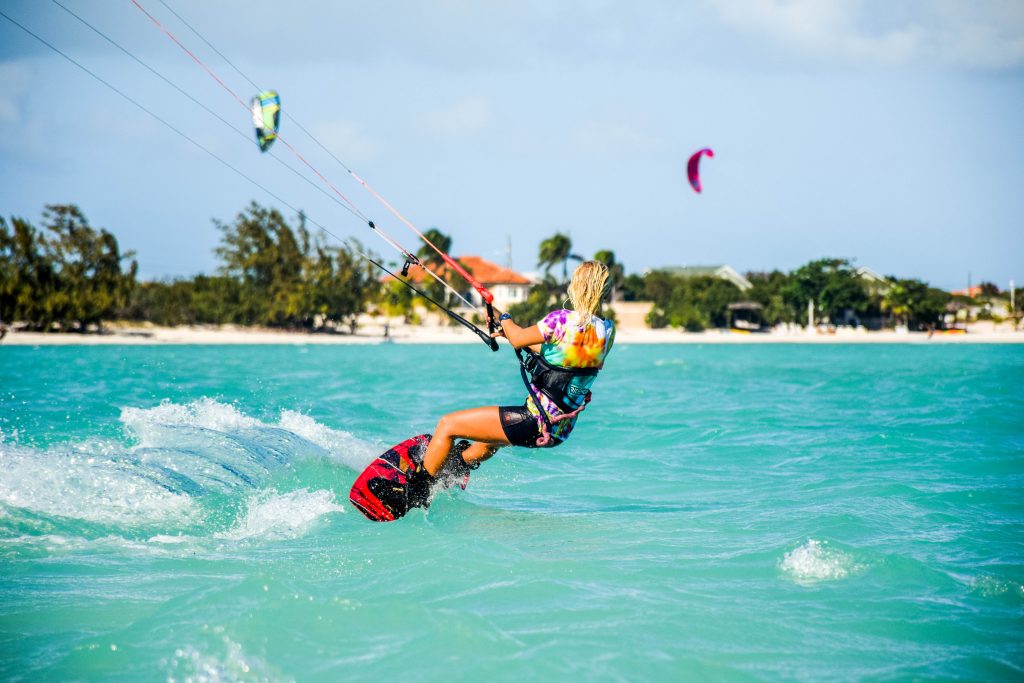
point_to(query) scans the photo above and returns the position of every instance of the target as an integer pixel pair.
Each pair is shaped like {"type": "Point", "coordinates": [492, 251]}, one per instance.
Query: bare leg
{"type": "Point", "coordinates": [479, 451]}
{"type": "Point", "coordinates": [476, 424]}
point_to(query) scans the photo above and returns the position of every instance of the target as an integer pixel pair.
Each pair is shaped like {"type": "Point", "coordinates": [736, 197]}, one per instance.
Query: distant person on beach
{"type": "Point", "coordinates": [573, 345]}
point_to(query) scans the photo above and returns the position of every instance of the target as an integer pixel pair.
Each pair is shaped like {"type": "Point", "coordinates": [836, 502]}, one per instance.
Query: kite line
{"type": "Point", "coordinates": [413, 260]}
{"type": "Point", "coordinates": [346, 203]}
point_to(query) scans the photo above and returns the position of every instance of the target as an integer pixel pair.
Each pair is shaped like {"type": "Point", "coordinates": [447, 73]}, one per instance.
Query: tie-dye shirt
{"type": "Point", "coordinates": [571, 345]}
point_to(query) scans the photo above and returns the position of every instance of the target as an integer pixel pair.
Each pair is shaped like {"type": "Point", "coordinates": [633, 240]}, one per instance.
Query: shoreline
{"type": "Point", "coordinates": [981, 333]}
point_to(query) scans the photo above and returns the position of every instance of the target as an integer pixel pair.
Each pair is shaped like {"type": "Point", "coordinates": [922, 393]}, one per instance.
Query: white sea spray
{"type": "Point", "coordinates": [273, 515]}
{"type": "Point", "coordinates": [230, 663]}
{"type": "Point", "coordinates": [90, 486]}
{"type": "Point", "coordinates": [816, 561]}
{"type": "Point", "coordinates": [343, 446]}
{"type": "Point", "coordinates": [988, 586]}
{"type": "Point", "coordinates": [147, 424]}
{"type": "Point", "coordinates": [150, 426]}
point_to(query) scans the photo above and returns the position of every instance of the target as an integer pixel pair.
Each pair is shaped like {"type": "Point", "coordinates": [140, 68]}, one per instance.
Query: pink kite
{"type": "Point", "coordinates": [693, 167]}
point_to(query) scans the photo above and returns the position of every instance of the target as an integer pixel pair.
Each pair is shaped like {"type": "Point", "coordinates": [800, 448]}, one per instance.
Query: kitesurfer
{"type": "Point", "coordinates": [573, 346]}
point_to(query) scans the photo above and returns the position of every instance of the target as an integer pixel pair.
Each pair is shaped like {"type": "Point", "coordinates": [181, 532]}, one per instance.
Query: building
{"type": "Point", "coordinates": [507, 286]}
{"type": "Point", "coordinates": [722, 272]}
{"type": "Point", "coordinates": [876, 284]}
{"type": "Point", "coordinates": [972, 292]}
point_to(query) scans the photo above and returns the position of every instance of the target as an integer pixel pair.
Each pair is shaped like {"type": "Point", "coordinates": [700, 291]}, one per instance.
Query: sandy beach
{"type": "Point", "coordinates": [372, 331]}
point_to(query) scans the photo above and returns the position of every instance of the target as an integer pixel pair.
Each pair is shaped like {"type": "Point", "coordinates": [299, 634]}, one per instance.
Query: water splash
{"type": "Point", "coordinates": [205, 413]}
{"type": "Point", "coordinates": [988, 586]}
{"type": "Point", "coordinates": [89, 486]}
{"type": "Point", "coordinates": [229, 662]}
{"type": "Point", "coordinates": [182, 454]}
{"type": "Point", "coordinates": [271, 515]}
{"type": "Point", "coordinates": [816, 561]}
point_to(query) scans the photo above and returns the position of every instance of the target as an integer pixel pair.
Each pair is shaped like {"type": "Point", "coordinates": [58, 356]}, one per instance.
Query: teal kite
{"type": "Point", "coordinates": [266, 117]}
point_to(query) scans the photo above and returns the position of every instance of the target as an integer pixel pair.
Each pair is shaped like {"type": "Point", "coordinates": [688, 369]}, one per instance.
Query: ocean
{"type": "Point", "coordinates": [748, 512]}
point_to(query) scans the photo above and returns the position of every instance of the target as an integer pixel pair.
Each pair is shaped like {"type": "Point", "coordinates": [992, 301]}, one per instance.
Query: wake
{"type": "Point", "coordinates": [184, 465]}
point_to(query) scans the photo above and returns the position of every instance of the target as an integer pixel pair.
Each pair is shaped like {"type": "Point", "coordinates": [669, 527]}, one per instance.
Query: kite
{"type": "Point", "coordinates": [266, 117]}
{"type": "Point", "coordinates": [693, 167]}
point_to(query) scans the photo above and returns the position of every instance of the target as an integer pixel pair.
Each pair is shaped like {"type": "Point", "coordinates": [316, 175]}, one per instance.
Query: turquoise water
{"type": "Point", "coordinates": [726, 513]}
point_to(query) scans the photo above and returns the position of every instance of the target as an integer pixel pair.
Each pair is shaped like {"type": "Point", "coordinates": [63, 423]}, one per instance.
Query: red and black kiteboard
{"type": "Point", "coordinates": [392, 484]}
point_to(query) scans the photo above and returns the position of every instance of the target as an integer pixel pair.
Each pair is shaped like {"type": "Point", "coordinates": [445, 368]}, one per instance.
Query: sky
{"type": "Point", "coordinates": [888, 132]}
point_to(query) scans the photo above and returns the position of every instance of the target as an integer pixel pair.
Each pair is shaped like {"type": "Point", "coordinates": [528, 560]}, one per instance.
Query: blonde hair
{"type": "Point", "coordinates": [587, 288]}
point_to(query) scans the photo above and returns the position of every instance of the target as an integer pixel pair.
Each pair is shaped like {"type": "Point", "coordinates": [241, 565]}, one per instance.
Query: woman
{"type": "Point", "coordinates": [573, 346]}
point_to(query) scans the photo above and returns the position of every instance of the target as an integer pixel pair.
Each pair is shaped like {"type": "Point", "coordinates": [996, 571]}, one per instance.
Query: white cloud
{"type": "Point", "coordinates": [14, 81]}
{"type": "Point", "coordinates": [467, 117]}
{"type": "Point", "coordinates": [981, 33]}
{"type": "Point", "coordinates": [988, 34]}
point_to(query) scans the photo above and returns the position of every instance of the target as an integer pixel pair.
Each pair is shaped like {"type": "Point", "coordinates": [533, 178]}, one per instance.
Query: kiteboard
{"type": "Point", "coordinates": [393, 483]}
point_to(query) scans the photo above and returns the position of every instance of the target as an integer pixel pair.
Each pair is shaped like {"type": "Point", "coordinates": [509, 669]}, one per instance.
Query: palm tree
{"type": "Point", "coordinates": [896, 302]}
{"type": "Point", "coordinates": [442, 241]}
{"type": "Point", "coordinates": [557, 249]}
{"type": "Point", "coordinates": [431, 259]}
{"type": "Point", "coordinates": [616, 271]}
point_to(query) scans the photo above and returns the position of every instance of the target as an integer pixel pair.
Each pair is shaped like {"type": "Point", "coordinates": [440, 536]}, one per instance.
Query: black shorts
{"type": "Point", "coordinates": [521, 427]}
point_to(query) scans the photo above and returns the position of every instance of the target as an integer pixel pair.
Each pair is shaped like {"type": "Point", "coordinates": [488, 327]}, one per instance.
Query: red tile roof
{"type": "Point", "coordinates": [970, 291]}
{"type": "Point", "coordinates": [487, 272]}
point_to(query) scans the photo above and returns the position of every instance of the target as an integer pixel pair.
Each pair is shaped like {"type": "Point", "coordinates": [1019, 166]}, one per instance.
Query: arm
{"type": "Point", "coordinates": [520, 336]}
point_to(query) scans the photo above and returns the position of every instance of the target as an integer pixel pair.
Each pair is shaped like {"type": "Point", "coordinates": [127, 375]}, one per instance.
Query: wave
{"type": "Point", "coordinates": [184, 468]}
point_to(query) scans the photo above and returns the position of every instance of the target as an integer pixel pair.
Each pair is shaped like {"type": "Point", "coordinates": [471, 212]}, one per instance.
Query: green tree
{"type": "Point", "coordinates": [834, 286]}
{"type": "Point", "coordinates": [343, 282]}
{"type": "Point", "coordinates": [287, 278]}
{"type": "Point", "coordinates": [632, 288]}
{"type": "Point", "coordinates": [67, 273]}
{"type": "Point", "coordinates": [554, 250]}
{"type": "Point", "coordinates": [215, 300]}
{"type": "Point", "coordinates": [431, 259]}
{"type": "Point", "coordinates": [914, 303]}
{"type": "Point", "coordinates": [397, 299]}
{"type": "Point", "coordinates": [988, 290]}
{"type": "Point", "coordinates": [28, 278]}
{"type": "Point", "coordinates": [262, 252]}
{"type": "Point", "coordinates": [616, 272]}
{"type": "Point", "coordinates": [659, 287]}
{"type": "Point", "coordinates": [693, 303]}
{"type": "Point", "coordinates": [427, 254]}
{"type": "Point", "coordinates": [203, 299]}
{"type": "Point", "coordinates": [769, 290]}
{"type": "Point", "coordinates": [92, 284]}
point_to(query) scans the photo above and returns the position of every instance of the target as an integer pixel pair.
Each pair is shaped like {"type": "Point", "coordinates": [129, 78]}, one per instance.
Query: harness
{"type": "Point", "coordinates": [555, 382]}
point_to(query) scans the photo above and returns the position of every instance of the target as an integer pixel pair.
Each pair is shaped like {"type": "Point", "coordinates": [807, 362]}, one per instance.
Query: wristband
{"type": "Point", "coordinates": [504, 316]}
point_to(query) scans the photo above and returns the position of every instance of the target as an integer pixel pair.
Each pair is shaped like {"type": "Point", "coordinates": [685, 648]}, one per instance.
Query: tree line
{"type": "Point", "coordinates": [841, 295]}
{"type": "Point", "coordinates": [71, 277]}
{"type": "Point", "coordinates": [271, 274]}
{"type": "Point", "coordinates": [66, 275]}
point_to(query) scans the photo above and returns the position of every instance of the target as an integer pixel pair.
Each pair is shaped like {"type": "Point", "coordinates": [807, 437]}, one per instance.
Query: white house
{"type": "Point", "coordinates": [507, 286]}
{"type": "Point", "coordinates": [722, 272]}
